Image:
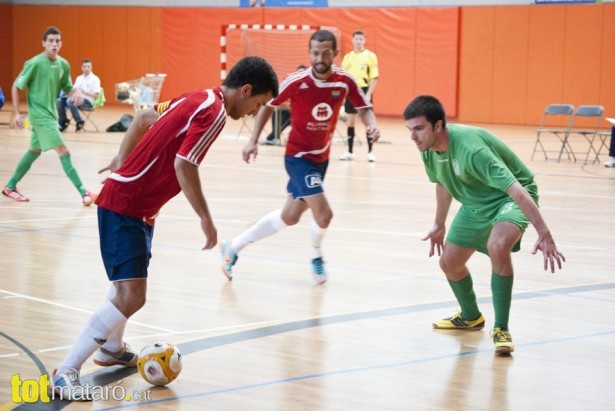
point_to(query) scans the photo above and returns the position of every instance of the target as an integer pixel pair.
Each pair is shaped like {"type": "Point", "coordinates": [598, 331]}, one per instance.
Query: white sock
{"type": "Point", "coordinates": [317, 234]}
{"type": "Point", "coordinates": [115, 340]}
{"type": "Point", "coordinates": [96, 331]}
{"type": "Point", "coordinates": [266, 226]}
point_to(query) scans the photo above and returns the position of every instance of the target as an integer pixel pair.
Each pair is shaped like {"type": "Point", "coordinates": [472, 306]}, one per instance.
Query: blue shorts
{"type": "Point", "coordinates": [125, 245]}
{"type": "Point", "coordinates": [306, 176]}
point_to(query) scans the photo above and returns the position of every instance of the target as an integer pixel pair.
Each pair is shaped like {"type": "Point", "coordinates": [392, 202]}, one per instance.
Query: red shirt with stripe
{"type": "Point", "coordinates": [186, 128]}
{"type": "Point", "coordinates": [315, 106]}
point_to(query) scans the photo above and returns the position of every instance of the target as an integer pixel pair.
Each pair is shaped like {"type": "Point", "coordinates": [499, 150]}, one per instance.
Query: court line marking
{"type": "Point", "coordinates": [353, 370]}
{"type": "Point", "coordinates": [69, 307]}
{"type": "Point", "coordinates": [106, 377]}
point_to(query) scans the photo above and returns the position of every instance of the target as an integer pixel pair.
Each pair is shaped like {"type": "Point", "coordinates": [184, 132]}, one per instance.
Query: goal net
{"type": "Point", "coordinates": [284, 46]}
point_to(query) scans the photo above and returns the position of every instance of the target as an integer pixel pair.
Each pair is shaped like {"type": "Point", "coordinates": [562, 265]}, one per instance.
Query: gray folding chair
{"type": "Point", "coordinates": [87, 112]}
{"type": "Point", "coordinates": [590, 116]}
{"type": "Point", "coordinates": [560, 113]}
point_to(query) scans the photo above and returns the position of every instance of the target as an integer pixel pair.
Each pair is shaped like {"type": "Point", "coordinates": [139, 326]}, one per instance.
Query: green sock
{"type": "Point", "coordinates": [464, 292]}
{"type": "Point", "coordinates": [72, 174]}
{"type": "Point", "coordinates": [22, 168]}
{"type": "Point", "coordinates": [501, 289]}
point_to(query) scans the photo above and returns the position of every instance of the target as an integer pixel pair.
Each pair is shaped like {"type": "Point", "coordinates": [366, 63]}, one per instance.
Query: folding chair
{"type": "Point", "coordinates": [86, 112]}
{"type": "Point", "coordinates": [588, 114]}
{"type": "Point", "coordinates": [561, 112]}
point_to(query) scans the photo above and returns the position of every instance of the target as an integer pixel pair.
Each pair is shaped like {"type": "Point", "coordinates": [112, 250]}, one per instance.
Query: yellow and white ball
{"type": "Point", "coordinates": [159, 363]}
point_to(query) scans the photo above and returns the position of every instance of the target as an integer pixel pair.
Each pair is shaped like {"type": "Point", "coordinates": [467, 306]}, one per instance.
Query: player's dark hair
{"type": "Point", "coordinates": [360, 32]}
{"type": "Point", "coordinates": [255, 71]}
{"type": "Point", "coordinates": [51, 30]}
{"type": "Point", "coordinates": [427, 106]}
{"type": "Point", "coordinates": [324, 35]}
{"type": "Point", "coordinates": [86, 61]}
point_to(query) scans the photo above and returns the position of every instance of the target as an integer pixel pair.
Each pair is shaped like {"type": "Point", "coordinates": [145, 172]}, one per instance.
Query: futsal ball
{"type": "Point", "coordinates": [159, 363]}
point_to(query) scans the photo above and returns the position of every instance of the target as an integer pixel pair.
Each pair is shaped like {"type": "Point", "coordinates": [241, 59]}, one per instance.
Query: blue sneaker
{"type": "Point", "coordinates": [67, 386]}
{"type": "Point", "coordinates": [229, 258]}
{"type": "Point", "coordinates": [318, 270]}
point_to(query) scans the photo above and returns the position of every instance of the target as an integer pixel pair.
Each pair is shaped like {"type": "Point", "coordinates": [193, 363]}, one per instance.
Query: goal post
{"type": "Point", "coordinates": [284, 46]}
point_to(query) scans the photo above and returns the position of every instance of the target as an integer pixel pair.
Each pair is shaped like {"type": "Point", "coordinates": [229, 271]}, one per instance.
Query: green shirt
{"type": "Point", "coordinates": [477, 168]}
{"type": "Point", "coordinates": [44, 79]}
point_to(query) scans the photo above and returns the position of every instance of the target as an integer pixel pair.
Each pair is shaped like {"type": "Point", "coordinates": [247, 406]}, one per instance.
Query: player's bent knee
{"type": "Point", "coordinates": [452, 269]}
{"type": "Point", "coordinates": [499, 249]}
{"type": "Point", "coordinates": [324, 219]}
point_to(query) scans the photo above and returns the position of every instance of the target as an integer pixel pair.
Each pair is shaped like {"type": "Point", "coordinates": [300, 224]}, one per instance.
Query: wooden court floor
{"type": "Point", "coordinates": [271, 339]}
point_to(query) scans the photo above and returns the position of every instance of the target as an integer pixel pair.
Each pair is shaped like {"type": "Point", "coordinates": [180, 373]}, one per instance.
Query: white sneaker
{"type": "Point", "coordinates": [371, 157]}
{"type": "Point", "coordinates": [67, 386]}
{"type": "Point", "coordinates": [126, 357]}
{"type": "Point", "coordinates": [264, 142]}
{"type": "Point", "coordinates": [347, 156]}
{"type": "Point", "coordinates": [610, 163]}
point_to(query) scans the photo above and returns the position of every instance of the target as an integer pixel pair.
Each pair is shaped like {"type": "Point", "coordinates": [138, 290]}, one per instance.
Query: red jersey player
{"type": "Point", "coordinates": [316, 96]}
{"type": "Point", "coordinates": [153, 165]}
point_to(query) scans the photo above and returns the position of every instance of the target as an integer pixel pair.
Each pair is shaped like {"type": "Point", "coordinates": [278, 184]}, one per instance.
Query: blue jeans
{"type": "Point", "coordinates": [62, 103]}
{"type": "Point", "coordinates": [284, 122]}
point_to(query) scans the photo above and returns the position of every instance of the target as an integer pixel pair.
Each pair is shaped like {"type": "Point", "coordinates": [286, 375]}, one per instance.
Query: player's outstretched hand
{"type": "Point", "coordinates": [436, 237]}
{"type": "Point", "coordinates": [210, 233]}
{"type": "Point", "coordinates": [251, 149]}
{"type": "Point", "coordinates": [550, 253]}
{"type": "Point", "coordinates": [17, 121]}
{"type": "Point", "coordinates": [113, 165]}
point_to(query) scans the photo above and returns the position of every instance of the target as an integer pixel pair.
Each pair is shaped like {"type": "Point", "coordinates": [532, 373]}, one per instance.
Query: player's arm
{"type": "Point", "coordinates": [190, 183]}
{"type": "Point", "coordinates": [372, 87]}
{"type": "Point", "coordinates": [263, 116]}
{"type": "Point", "coordinates": [16, 114]}
{"type": "Point", "coordinates": [76, 93]}
{"type": "Point", "coordinates": [437, 233]}
{"type": "Point", "coordinates": [368, 118]}
{"type": "Point", "coordinates": [545, 242]}
{"type": "Point", "coordinates": [374, 73]}
{"type": "Point", "coordinates": [137, 129]}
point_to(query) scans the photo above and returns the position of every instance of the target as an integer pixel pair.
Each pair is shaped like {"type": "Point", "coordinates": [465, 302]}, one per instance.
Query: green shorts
{"type": "Point", "coordinates": [46, 136]}
{"type": "Point", "coordinates": [471, 229]}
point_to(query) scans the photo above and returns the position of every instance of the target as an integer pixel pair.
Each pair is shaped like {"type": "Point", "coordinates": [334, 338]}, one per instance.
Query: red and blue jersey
{"type": "Point", "coordinates": [315, 106]}
{"type": "Point", "coordinates": [186, 128]}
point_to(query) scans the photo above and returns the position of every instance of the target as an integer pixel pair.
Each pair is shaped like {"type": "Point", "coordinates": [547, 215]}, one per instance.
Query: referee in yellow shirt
{"type": "Point", "coordinates": [363, 65]}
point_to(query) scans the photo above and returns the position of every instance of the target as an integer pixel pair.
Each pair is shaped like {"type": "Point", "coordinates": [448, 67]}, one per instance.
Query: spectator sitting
{"type": "Point", "coordinates": [89, 84]}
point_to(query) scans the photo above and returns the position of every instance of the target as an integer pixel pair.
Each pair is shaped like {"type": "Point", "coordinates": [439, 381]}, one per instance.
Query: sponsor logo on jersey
{"type": "Point", "coordinates": [506, 209]}
{"type": "Point", "coordinates": [456, 167]}
{"type": "Point", "coordinates": [313, 180]}
{"type": "Point", "coordinates": [335, 94]}
{"type": "Point", "coordinates": [322, 112]}
{"type": "Point", "coordinates": [303, 86]}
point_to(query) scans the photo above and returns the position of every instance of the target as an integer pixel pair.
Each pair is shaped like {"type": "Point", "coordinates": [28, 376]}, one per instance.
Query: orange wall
{"type": "Point", "coordinates": [121, 46]}
{"type": "Point", "coordinates": [516, 60]}
{"type": "Point", "coordinates": [500, 64]}
{"type": "Point", "coordinates": [416, 48]}
{"type": "Point", "coordinates": [6, 50]}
